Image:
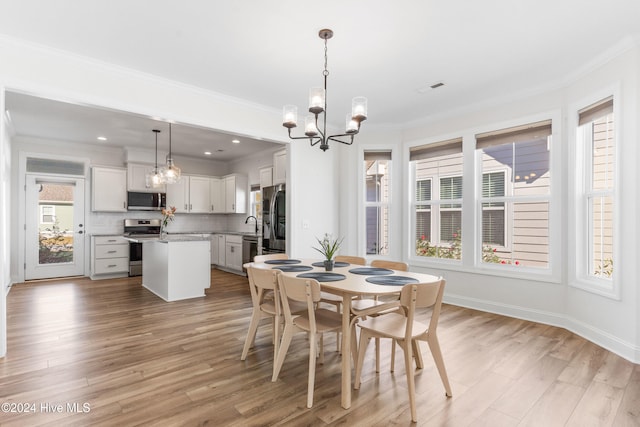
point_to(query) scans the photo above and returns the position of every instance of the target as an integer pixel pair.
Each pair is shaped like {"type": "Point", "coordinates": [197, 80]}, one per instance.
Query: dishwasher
{"type": "Point", "coordinates": [249, 248]}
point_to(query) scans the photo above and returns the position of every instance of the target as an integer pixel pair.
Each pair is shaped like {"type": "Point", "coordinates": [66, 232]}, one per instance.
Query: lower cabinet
{"type": "Point", "coordinates": [233, 254]}
{"type": "Point", "coordinates": [109, 257]}
{"type": "Point", "coordinates": [218, 248]}
{"type": "Point", "coordinates": [226, 252]}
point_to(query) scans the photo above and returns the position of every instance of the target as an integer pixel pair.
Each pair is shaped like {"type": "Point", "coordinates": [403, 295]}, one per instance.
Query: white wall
{"type": "Point", "coordinates": [5, 229]}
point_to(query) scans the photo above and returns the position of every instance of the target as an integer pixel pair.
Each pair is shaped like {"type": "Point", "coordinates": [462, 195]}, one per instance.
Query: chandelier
{"type": "Point", "coordinates": [318, 105]}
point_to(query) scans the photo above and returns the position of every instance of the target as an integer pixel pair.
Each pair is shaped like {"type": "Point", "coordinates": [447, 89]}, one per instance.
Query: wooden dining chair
{"type": "Point", "coordinates": [407, 332]}
{"type": "Point", "coordinates": [373, 307]}
{"type": "Point", "coordinates": [315, 321]}
{"type": "Point", "coordinates": [263, 258]}
{"type": "Point", "coordinates": [261, 282]}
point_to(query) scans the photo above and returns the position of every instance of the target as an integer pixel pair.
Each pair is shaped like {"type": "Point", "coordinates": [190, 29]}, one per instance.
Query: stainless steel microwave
{"type": "Point", "coordinates": [137, 201]}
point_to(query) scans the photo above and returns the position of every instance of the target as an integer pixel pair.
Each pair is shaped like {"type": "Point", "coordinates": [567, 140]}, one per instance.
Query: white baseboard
{"type": "Point", "coordinates": [602, 338]}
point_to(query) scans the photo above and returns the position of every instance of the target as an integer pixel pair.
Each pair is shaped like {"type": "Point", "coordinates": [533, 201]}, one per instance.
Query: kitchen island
{"type": "Point", "coordinates": [176, 267]}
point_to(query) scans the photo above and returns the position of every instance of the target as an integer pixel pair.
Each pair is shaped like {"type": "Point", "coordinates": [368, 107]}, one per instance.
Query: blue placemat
{"type": "Point", "coordinates": [391, 280]}
{"type": "Point", "coordinates": [336, 264]}
{"type": "Point", "coordinates": [323, 276]}
{"type": "Point", "coordinates": [371, 271]}
{"type": "Point", "coordinates": [291, 268]}
{"type": "Point", "coordinates": [282, 261]}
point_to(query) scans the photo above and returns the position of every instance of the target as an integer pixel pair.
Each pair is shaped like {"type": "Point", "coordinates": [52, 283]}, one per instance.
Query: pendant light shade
{"type": "Point", "coordinates": [170, 173]}
{"type": "Point", "coordinates": [154, 179]}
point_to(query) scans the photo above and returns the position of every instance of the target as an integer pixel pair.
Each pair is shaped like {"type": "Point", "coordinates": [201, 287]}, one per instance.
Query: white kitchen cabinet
{"type": "Point", "coordinates": [233, 253]}
{"type": "Point", "coordinates": [178, 195]}
{"type": "Point", "coordinates": [235, 193]}
{"type": "Point", "coordinates": [199, 194]}
{"type": "Point", "coordinates": [137, 178]}
{"type": "Point", "coordinates": [109, 257]}
{"type": "Point", "coordinates": [280, 167]}
{"type": "Point", "coordinates": [108, 189]}
{"type": "Point", "coordinates": [190, 195]}
{"type": "Point", "coordinates": [216, 195]}
{"type": "Point", "coordinates": [266, 177]}
{"type": "Point", "coordinates": [218, 249]}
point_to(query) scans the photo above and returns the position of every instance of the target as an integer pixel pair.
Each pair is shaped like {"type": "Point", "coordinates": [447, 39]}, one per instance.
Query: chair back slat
{"type": "Point", "coordinates": [426, 294]}
{"type": "Point", "coordinates": [295, 289]}
{"type": "Point", "coordinates": [357, 260]}
{"type": "Point", "coordinates": [263, 278]}
{"type": "Point", "coordinates": [393, 265]}
{"type": "Point", "coordinates": [263, 258]}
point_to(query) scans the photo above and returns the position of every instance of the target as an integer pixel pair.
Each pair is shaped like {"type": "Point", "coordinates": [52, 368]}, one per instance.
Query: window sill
{"type": "Point", "coordinates": [605, 288]}
{"type": "Point", "coordinates": [521, 273]}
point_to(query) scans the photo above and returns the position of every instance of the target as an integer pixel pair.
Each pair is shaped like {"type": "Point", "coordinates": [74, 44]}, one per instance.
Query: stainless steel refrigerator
{"type": "Point", "coordinates": [274, 219]}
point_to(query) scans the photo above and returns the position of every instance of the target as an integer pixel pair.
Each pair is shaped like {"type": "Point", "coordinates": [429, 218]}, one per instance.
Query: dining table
{"type": "Point", "coordinates": [348, 281]}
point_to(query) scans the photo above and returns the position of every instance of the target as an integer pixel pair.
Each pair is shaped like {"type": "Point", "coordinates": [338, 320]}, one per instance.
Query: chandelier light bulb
{"type": "Point", "coordinates": [290, 116]}
{"type": "Point", "coordinates": [310, 128]}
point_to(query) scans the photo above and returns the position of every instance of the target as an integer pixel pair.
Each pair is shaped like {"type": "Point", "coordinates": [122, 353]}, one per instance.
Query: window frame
{"type": "Point", "coordinates": [42, 214]}
{"type": "Point", "coordinates": [435, 203]}
{"type": "Point", "coordinates": [510, 200]}
{"type": "Point", "coordinates": [579, 252]}
{"type": "Point", "coordinates": [506, 214]}
{"type": "Point", "coordinates": [380, 205]}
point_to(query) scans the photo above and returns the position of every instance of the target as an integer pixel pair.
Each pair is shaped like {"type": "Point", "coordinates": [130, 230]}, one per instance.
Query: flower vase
{"type": "Point", "coordinates": [163, 232]}
{"type": "Point", "coordinates": [328, 264]}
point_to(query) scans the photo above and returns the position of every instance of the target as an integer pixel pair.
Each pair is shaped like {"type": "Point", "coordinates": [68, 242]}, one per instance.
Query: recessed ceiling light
{"type": "Point", "coordinates": [236, 141]}
{"type": "Point", "coordinates": [102, 138]}
{"type": "Point", "coordinates": [207, 153]}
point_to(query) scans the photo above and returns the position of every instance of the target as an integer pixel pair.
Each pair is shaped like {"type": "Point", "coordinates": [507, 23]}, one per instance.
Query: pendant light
{"type": "Point", "coordinates": [170, 173]}
{"type": "Point", "coordinates": [154, 179]}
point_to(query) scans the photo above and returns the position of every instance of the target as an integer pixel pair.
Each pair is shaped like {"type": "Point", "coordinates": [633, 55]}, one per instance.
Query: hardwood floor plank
{"type": "Point", "coordinates": [598, 406]}
{"type": "Point", "coordinates": [527, 389]}
{"type": "Point", "coordinates": [137, 360]}
{"type": "Point", "coordinates": [629, 411]}
{"type": "Point", "coordinates": [555, 407]}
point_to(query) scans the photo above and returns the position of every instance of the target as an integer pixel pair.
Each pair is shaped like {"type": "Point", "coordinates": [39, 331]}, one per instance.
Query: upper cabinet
{"type": "Point", "coordinates": [190, 194]}
{"type": "Point", "coordinates": [235, 193]}
{"type": "Point", "coordinates": [216, 195]}
{"type": "Point", "coordinates": [108, 189]}
{"type": "Point", "coordinates": [204, 194]}
{"type": "Point", "coordinates": [266, 177]}
{"type": "Point", "coordinates": [199, 194]}
{"type": "Point", "coordinates": [137, 178]}
{"type": "Point", "coordinates": [280, 167]}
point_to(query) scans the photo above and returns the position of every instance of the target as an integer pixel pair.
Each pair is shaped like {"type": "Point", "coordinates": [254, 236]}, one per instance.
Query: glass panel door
{"type": "Point", "coordinates": [54, 227]}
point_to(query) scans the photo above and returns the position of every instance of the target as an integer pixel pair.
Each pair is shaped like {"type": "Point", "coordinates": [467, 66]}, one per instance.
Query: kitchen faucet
{"type": "Point", "coordinates": [246, 221]}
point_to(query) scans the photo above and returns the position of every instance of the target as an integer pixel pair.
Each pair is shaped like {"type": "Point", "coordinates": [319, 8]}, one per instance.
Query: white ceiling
{"type": "Point", "coordinates": [268, 52]}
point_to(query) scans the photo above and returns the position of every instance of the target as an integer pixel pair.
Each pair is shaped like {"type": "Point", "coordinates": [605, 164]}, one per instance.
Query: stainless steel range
{"type": "Point", "coordinates": [139, 228]}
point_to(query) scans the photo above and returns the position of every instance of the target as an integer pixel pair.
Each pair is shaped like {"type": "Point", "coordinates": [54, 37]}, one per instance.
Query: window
{"type": "Point", "coordinates": [516, 194]}
{"type": "Point", "coordinates": [437, 203]}
{"type": "Point", "coordinates": [377, 172]}
{"type": "Point", "coordinates": [255, 199]}
{"type": "Point", "coordinates": [47, 214]}
{"type": "Point", "coordinates": [493, 220]}
{"type": "Point", "coordinates": [596, 130]}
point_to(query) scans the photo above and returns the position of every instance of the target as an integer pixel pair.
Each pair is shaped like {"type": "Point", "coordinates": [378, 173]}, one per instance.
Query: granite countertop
{"type": "Point", "coordinates": [167, 239]}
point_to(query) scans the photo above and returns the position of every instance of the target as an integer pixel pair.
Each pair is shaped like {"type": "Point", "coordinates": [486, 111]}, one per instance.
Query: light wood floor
{"type": "Point", "coordinates": [136, 360]}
